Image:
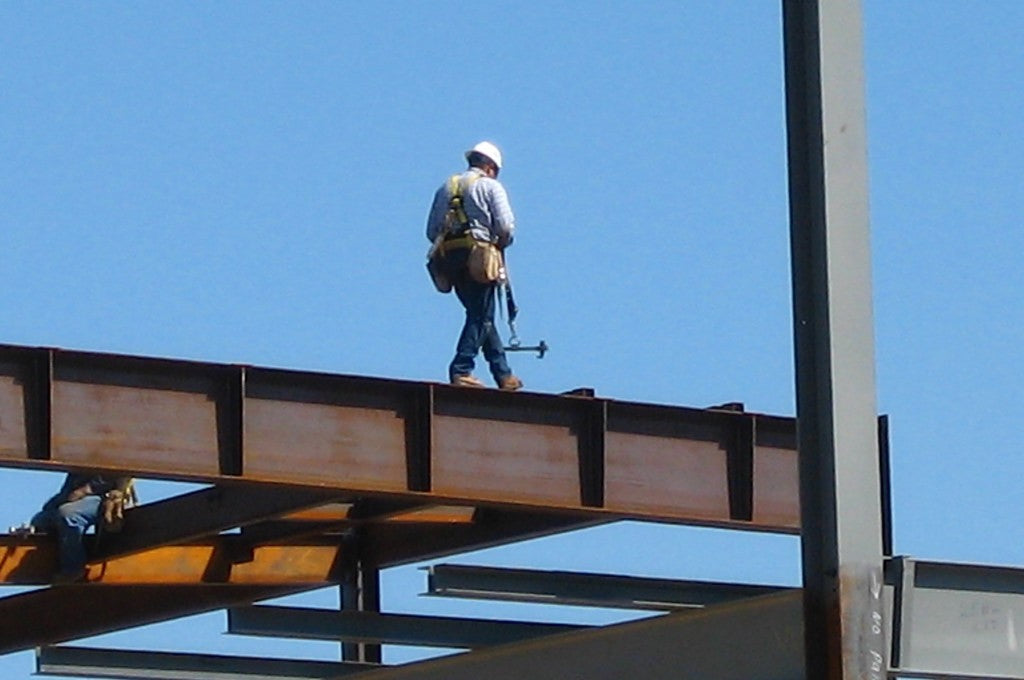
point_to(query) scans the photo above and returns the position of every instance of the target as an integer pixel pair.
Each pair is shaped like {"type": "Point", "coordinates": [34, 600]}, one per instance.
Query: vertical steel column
{"type": "Point", "coordinates": [834, 343]}
{"type": "Point", "coordinates": [360, 591]}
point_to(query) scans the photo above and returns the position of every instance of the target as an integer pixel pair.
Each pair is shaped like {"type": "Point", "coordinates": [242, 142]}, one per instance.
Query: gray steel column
{"type": "Point", "coordinates": [833, 328]}
{"type": "Point", "coordinates": [360, 592]}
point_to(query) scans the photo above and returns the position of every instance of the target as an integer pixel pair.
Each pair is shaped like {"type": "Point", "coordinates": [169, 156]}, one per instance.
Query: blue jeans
{"type": "Point", "coordinates": [70, 521]}
{"type": "Point", "coordinates": [478, 332]}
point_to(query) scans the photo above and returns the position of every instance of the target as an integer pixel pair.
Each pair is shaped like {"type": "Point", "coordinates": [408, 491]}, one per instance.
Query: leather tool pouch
{"type": "Point", "coordinates": [484, 262]}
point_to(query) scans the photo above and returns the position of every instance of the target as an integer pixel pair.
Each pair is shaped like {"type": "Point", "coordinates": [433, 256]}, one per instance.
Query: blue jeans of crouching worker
{"type": "Point", "coordinates": [478, 332]}
{"type": "Point", "coordinates": [70, 521]}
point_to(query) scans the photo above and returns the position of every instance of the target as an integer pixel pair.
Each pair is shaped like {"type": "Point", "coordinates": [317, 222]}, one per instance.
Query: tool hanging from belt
{"type": "Point", "coordinates": [514, 345]}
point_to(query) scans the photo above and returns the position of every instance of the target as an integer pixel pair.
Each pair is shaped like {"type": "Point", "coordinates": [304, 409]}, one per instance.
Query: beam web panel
{"type": "Point", "coordinates": [25, 379]}
{"type": "Point", "coordinates": [506, 447]}
{"type": "Point", "coordinates": [666, 460]}
{"type": "Point", "coordinates": [143, 415]}
{"type": "Point", "coordinates": [776, 482]}
{"type": "Point", "coordinates": [344, 431]}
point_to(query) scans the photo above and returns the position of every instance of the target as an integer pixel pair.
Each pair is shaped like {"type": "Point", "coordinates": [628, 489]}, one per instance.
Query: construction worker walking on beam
{"type": "Point", "coordinates": [470, 225]}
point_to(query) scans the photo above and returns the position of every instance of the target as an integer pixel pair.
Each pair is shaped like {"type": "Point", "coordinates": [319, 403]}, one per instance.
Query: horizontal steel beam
{"type": "Point", "coordinates": [204, 512]}
{"type": "Point", "coordinates": [957, 621]}
{"type": "Point", "coordinates": [222, 560]}
{"type": "Point", "coordinates": [392, 544]}
{"type": "Point", "coordinates": [47, 616]}
{"type": "Point", "coordinates": [369, 436]}
{"type": "Point", "coordinates": [89, 662]}
{"type": "Point", "coordinates": [574, 588]}
{"type": "Point", "coordinates": [375, 627]}
{"type": "Point", "coordinates": [342, 520]}
{"type": "Point", "coordinates": [425, 514]}
{"type": "Point", "coordinates": [755, 639]}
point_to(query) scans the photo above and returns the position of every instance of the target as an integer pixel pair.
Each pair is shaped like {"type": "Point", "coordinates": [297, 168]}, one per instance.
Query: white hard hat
{"type": "Point", "coordinates": [487, 150]}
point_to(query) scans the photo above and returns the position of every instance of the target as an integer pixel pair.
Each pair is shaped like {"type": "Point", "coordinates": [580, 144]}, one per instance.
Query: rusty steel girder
{"type": "Point", "coordinates": [368, 436]}
{"type": "Point", "coordinates": [224, 560]}
{"type": "Point", "coordinates": [50, 615]}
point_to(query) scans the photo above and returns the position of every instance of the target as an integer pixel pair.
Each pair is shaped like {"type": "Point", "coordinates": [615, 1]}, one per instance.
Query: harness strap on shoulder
{"type": "Point", "coordinates": [456, 212]}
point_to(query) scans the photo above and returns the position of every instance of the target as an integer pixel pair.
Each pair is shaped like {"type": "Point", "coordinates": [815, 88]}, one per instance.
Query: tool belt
{"type": "Point", "coordinates": [483, 261]}
{"type": "Point", "coordinates": [463, 241]}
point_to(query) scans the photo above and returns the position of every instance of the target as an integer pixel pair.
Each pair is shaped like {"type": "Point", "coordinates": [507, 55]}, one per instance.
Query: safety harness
{"type": "Point", "coordinates": [456, 221]}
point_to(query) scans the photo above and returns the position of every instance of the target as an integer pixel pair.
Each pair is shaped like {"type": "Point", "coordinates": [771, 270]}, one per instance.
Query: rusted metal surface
{"type": "Point", "coordinates": [777, 490]}
{"type": "Point", "coordinates": [340, 512]}
{"type": "Point", "coordinates": [366, 436]}
{"type": "Point", "coordinates": [204, 512]}
{"type": "Point", "coordinates": [472, 457]}
{"type": "Point", "coordinates": [394, 543]}
{"type": "Point", "coordinates": [158, 416]}
{"type": "Point", "coordinates": [328, 512]}
{"type": "Point", "coordinates": [437, 514]}
{"type": "Point", "coordinates": [342, 431]}
{"type": "Point", "coordinates": [52, 615]}
{"type": "Point", "coordinates": [33, 561]}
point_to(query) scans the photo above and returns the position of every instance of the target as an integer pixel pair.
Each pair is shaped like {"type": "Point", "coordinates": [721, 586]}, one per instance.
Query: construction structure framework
{"type": "Point", "coordinates": [316, 480]}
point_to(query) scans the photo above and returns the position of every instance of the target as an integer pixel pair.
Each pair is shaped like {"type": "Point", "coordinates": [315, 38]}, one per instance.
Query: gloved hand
{"type": "Point", "coordinates": [112, 510]}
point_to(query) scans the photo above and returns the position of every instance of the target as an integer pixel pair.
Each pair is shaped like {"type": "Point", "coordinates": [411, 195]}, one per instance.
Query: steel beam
{"type": "Point", "coordinates": [366, 436]}
{"type": "Point", "coordinates": [957, 621]}
{"type": "Point", "coordinates": [588, 590]}
{"type": "Point", "coordinates": [32, 561]}
{"type": "Point", "coordinates": [841, 515]}
{"type": "Point", "coordinates": [88, 662]}
{"type": "Point", "coordinates": [395, 543]}
{"type": "Point", "coordinates": [51, 615]}
{"type": "Point", "coordinates": [756, 639]}
{"type": "Point", "coordinates": [204, 512]}
{"type": "Point", "coordinates": [334, 519]}
{"type": "Point", "coordinates": [393, 629]}
{"type": "Point", "coordinates": [430, 514]}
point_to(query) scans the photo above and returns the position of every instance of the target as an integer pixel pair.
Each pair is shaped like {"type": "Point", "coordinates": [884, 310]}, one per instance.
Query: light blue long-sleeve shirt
{"type": "Point", "coordinates": [486, 205]}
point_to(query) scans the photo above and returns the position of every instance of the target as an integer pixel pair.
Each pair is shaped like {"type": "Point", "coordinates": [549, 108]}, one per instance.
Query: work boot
{"type": "Point", "coordinates": [510, 383]}
{"type": "Point", "coordinates": [466, 380]}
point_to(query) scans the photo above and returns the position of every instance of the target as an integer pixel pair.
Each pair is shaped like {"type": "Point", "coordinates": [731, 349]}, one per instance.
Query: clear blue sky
{"type": "Point", "coordinates": [248, 182]}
